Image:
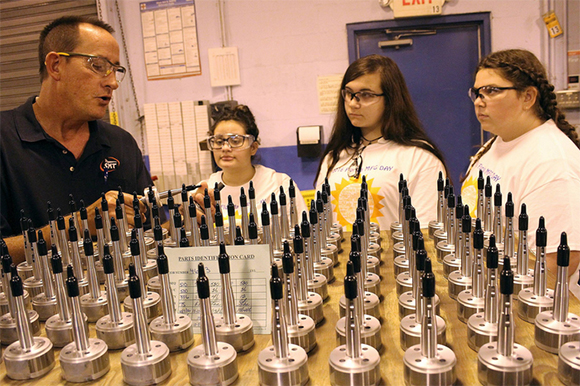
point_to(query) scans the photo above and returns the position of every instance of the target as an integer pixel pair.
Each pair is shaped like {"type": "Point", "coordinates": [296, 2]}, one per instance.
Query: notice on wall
{"type": "Point", "coordinates": [328, 88]}
{"type": "Point", "coordinates": [170, 39]}
{"type": "Point", "coordinates": [250, 280]}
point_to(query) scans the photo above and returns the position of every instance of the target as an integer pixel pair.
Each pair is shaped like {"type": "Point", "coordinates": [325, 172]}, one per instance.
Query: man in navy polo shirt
{"type": "Point", "coordinates": [55, 144]}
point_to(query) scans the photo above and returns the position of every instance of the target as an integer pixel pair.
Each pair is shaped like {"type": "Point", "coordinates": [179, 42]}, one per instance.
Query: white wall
{"type": "Point", "coordinates": [285, 45]}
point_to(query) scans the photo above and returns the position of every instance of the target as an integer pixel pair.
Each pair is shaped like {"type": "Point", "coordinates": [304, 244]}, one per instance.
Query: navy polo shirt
{"type": "Point", "coordinates": [36, 169]}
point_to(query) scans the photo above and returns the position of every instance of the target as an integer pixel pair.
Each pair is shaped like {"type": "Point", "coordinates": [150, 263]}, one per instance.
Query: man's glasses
{"type": "Point", "coordinates": [234, 141]}
{"type": "Point", "coordinates": [100, 65]}
{"type": "Point", "coordinates": [486, 92]}
{"type": "Point", "coordinates": [362, 97]}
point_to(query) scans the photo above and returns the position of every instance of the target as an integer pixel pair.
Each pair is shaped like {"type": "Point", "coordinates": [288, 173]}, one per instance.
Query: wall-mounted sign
{"type": "Point", "coordinates": [409, 8]}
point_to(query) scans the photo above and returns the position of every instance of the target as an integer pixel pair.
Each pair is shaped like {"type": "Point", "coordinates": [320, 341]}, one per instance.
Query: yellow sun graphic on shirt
{"type": "Point", "coordinates": [345, 199]}
{"type": "Point", "coordinates": [469, 195]}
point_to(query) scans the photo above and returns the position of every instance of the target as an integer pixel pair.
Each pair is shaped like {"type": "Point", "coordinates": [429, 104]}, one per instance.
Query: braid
{"type": "Point", "coordinates": [484, 149]}
{"type": "Point", "coordinates": [523, 69]}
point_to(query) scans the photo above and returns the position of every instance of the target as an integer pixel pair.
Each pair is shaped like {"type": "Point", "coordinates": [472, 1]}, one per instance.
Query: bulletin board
{"type": "Point", "coordinates": [170, 42]}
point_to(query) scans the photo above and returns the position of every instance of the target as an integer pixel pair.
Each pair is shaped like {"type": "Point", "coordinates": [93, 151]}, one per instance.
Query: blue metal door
{"type": "Point", "coordinates": [437, 57]}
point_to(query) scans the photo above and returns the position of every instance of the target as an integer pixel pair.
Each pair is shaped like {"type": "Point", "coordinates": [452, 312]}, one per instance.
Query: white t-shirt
{"type": "Point", "coordinates": [383, 162]}
{"type": "Point", "coordinates": [265, 182]}
{"type": "Point", "coordinates": [541, 169]}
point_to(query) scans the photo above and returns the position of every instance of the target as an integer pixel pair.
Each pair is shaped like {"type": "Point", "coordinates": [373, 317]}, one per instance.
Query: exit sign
{"type": "Point", "coordinates": [408, 8]}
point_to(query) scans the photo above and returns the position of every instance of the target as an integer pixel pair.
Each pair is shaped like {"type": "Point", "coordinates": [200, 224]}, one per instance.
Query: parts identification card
{"type": "Point", "coordinates": [250, 278]}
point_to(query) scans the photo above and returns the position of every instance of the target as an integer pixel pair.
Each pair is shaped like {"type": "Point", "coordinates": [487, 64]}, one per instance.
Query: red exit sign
{"type": "Point", "coordinates": [408, 8]}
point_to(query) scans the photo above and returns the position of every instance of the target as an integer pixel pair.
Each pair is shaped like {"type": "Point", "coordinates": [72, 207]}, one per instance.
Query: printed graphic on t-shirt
{"type": "Point", "coordinates": [345, 201]}
{"type": "Point", "coordinates": [469, 187]}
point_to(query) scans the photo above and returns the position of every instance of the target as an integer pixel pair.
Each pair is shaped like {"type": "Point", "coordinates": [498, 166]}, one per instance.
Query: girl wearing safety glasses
{"type": "Point", "coordinates": [377, 134]}
{"type": "Point", "coordinates": [534, 152]}
{"type": "Point", "coordinates": [234, 143]}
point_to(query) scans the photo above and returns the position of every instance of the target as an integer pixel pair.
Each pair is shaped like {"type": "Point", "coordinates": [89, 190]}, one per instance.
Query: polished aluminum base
{"type": "Point", "coordinates": [146, 369]}
{"type": "Point", "coordinates": [84, 366]}
{"type": "Point", "coordinates": [456, 283]}
{"type": "Point", "coordinates": [290, 371]}
{"type": "Point", "coordinates": [362, 371]}
{"type": "Point", "coordinates": [151, 305]}
{"type": "Point", "coordinates": [551, 334]}
{"type": "Point", "coordinates": [154, 285]}
{"type": "Point", "coordinates": [404, 283]}
{"type": "Point", "coordinates": [522, 282]}
{"type": "Point", "coordinates": [94, 308]}
{"type": "Point", "coordinates": [437, 371]}
{"type": "Point", "coordinates": [444, 249]}
{"type": "Point", "coordinates": [33, 286]}
{"type": "Point", "coordinates": [371, 305]}
{"type": "Point", "coordinates": [480, 332]}
{"type": "Point", "coordinates": [439, 236]}
{"type": "Point", "coordinates": [60, 332]}
{"type": "Point", "coordinates": [8, 331]}
{"type": "Point", "coordinates": [325, 267]}
{"type": "Point", "coordinates": [375, 250]}
{"type": "Point", "coordinates": [372, 284]}
{"type": "Point", "coordinates": [45, 307]}
{"type": "Point", "coordinates": [569, 363]}
{"type": "Point", "coordinates": [451, 263]}
{"type": "Point", "coordinates": [494, 369]}
{"type": "Point", "coordinates": [318, 285]}
{"type": "Point", "coordinates": [398, 248]}
{"type": "Point", "coordinates": [434, 226]}
{"type": "Point", "coordinates": [24, 270]}
{"type": "Point", "coordinates": [401, 264]}
{"type": "Point", "coordinates": [370, 332]}
{"type": "Point", "coordinates": [29, 364]}
{"type": "Point", "coordinates": [312, 307]}
{"type": "Point", "coordinates": [221, 369]}
{"type": "Point", "coordinates": [116, 335]}
{"type": "Point", "coordinates": [303, 334]}
{"type": "Point", "coordinates": [4, 302]}
{"type": "Point", "coordinates": [240, 336]}
{"type": "Point", "coordinates": [373, 265]}
{"type": "Point", "coordinates": [410, 332]}
{"type": "Point", "coordinates": [407, 304]}
{"type": "Point", "coordinates": [330, 251]}
{"type": "Point", "coordinates": [467, 305]}
{"type": "Point", "coordinates": [530, 305]}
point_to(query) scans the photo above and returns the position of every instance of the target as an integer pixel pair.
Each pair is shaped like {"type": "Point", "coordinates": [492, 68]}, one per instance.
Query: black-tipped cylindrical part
{"type": "Point", "coordinates": [41, 245]}
{"type": "Point", "coordinates": [223, 260]}
{"type": "Point", "coordinates": [216, 193]}
{"type": "Point", "coordinates": [50, 212]}
{"type": "Point", "coordinates": [55, 261]}
{"type": "Point", "coordinates": [114, 230]}
{"type": "Point", "coordinates": [451, 198]}
{"type": "Point", "coordinates": [218, 217]}
{"type": "Point", "coordinates": [478, 235]}
{"type": "Point", "coordinates": [72, 231]}
{"type": "Point", "coordinates": [466, 220]}
{"type": "Point", "coordinates": [492, 254]}
{"type": "Point", "coordinates": [202, 283]}
{"type": "Point", "coordinates": [497, 196]}
{"type": "Point", "coordinates": [273, 205]}
{"type": "Point", "coordinates": [60, 222]}
{"type": "Point", "coordinates": [428, 280]}
{"type": "Point", "coordinates": [282, 196]}
{"type": "Point", "coordinates": [523, 219]}
{"type": "Point", "coordinates": [488, 189]}
{"type": "Point", "coordinates": [88, 243]}
{"type": "Point", "coordinates": [480, 181]}
{"type": "Point", "coordinates": [563, 252]}
{"type": "Point", "coordinates": [170, 201]}
{"type": "Point", "coordinates": [509, 206]}
{"type": "Point", "coordinates": [287, 260]}
{"type": "Point", "coordinates": [276, 291]}
{"type": "Point", "coordinates": [312, 215]}
{"type": "Point", "coordinates": [72, 285]}
{"type": "Point", "coordinates": [231, 207]}
{"type": "Point", "coordinates": [134, 283]}
{"type": "Point", "coordinates": [83, 211]}
{"type": "Point", "coordinates": [104, 203]}
{"type": "Point", "coordinates": [118, 210]}
{"type": "Point", "coordinates": [203, 229]}
{"type": "Point", "coordinates": [252, 228]}
{"type": "Point", "coordinates": [6, 263]}
{"type": "Point", "coordinates": [265, 215]}
{"type": "Point", "coordinates": [297, 241]}
{"type": "Point", "coordinates": [291, 189]}
{"type": "Point", "coordinates": [305, 225]}
{"type": "Point", "coordinates": [541, 233]}
{"type": "Point", "coordinates": [177, 219]}
{"type": "Point", "coordinates": [183, 240]}
{"type": "Point", "coordinates": [162, 261]}
{"type": "Point", "coordinates": [239, 239]}
{"type": "Point", "coordinates": [72, 204]}
{"type": "Point", "coordinates": [243, 197]}
{"type": "Point", "coordinates": [108, 264]}
{"type": "Point", "coordinates": [421, 254]}
{"type": "Point", "coordinates": [350, 282]}
{"type": "Point", "coordinates": [134, 244]}
{"type": "Point", "coordinates": [252, 191]}
{"type": "Point", "coordinates": [15, 282]}
{"type": "Point", "coordinates": [32, 235]}
{"type": "Point", "coordinates": [506, 278]}
{"type": "Point", "coordinates": [354, 256]}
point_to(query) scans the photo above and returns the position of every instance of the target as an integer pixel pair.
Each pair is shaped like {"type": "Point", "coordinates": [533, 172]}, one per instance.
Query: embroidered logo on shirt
{"type": "Point", "coordinates": [110, 164]}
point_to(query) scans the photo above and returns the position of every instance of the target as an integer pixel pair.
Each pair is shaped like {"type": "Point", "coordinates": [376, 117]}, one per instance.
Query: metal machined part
{"type": "Point", "coordinates": [231, 327]}
{"type": "Point", "coordinates": [147, 361]}
{"type": "Point", "coordinates": [504, 361]}
{"type": "Point", "coordinates": [315, 282]}
{"type": "Point", "coordinates": [523, 275]}
{"type": "Point", "coordinates": [212, 362]}
{"type": "Point", "coordinates": [569, 363]}
{"type": "Point", "coordinates": [44, 303]}
{"type": "Point", "coordinates": [472, 300]}
{"type": "Point", "coordinates": [309, 303]}
{"type": "Point", "coordinates": [537, 298]}
{"type": "Point", "coordinates": [85, 359]}
{"type": "Point", "coordinates": [30, 356]}
{"type": "Point", "coordinates": [558, 326]}
{"type": "Point", "coordinates": [323, 264]}
{"type": "Point", "coordinates": [244, 211]}
{"type": "Point", "coordinates": [448, 246]}
{"type": "Point", "coordinates": [94, 303]}
{"type": "Point", "coordinates": [429, 362]}
{"type": "Point", "coordinates": [437, 224]}
{"type": "Point", "coordinates": [353, 362]}
{"type": "Point", "coordinates": [76, 259]}
{"type": "Point", "coordinates": [121, 280]}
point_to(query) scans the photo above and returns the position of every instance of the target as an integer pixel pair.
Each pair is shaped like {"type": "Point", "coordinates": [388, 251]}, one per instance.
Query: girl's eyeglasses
{"type": "Point", "coordinates": [234, 141]}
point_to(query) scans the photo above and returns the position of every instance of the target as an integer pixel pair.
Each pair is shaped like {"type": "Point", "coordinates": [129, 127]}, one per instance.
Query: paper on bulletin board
{"type": "Point", "coordinates": [170, 39]}
{"type": "Point", "coordinates": [250, 277]}
{"type": "Point", "coordinates": [328, 88]}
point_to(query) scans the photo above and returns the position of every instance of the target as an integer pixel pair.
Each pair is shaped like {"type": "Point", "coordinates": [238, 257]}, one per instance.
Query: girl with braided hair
{"type": "Point", "coordinates": [535, 152]}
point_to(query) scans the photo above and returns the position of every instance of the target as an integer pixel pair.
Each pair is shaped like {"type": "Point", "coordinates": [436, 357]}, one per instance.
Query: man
{"type": "Point", "coordinates": [55, 144]}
